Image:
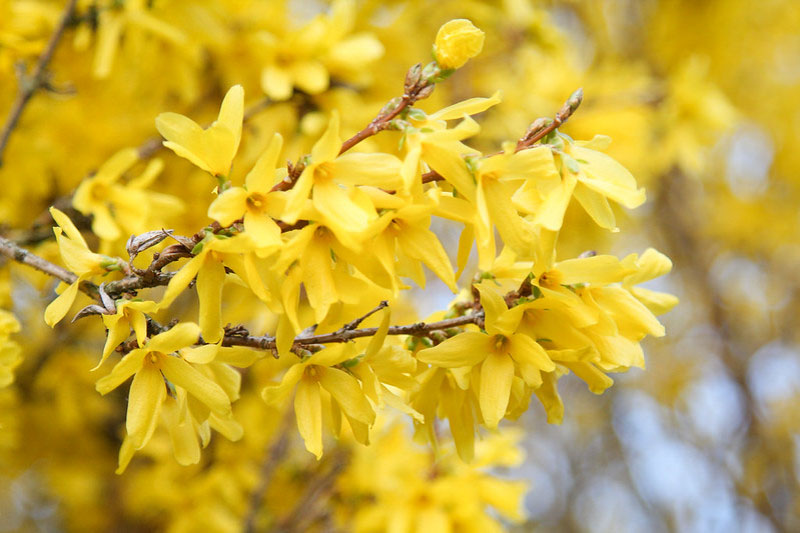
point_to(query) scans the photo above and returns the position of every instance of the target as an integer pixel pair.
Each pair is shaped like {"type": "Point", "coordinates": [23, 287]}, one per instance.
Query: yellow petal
{"type": "Point", "coordinates": [465, 349]}
{"type": "Point", "coordinates": [493, 307]}
{"type": "Point", "coordinates": [117, 332]}
{"type": "Point", "coordinates": [650, 265]}
{"type": "Point", "coordinates": [210, 279]}
{"type": "Point", "coordinates": [318, 279]}
{"type": "Point", "coordinates": [597, 381]}
{"type": "Point", "coordinates": [125, 368]}
{"type": "Point", "coordinates": [261, 177]}
{"type": "Point", "coordinates": [276, 82]}
{"type": "Point", "coordinates": [181, 280]}
{"type": "Point", "coordinates": [328, 146]}
{"type": "Point", "coordinates": [600, 269]}
{"type": "Point", "coordinates": [229, 206]}
{"type": "Point", "coordinates": [345, 389]}
{"type": "Point", "coordinates": [126, 452]}
{"type": "Point", "coordinates": [275, 394]}
{"type": "Point", "coordinates": [69, 228]}
{"type": "Point", "coordinates": [308, 410]}
{"type": "Point", "coordinates": [184, 375]}
{"type": "Point", "coordinates": [182, 435]}
{"type": "Point", "coordinates": [657, 302]}
{"type": "Point", "coordinates": [310, 76]}
{"type": "Point", "coordinates": [337, 209]}
{"type": "Point", "coordinates": [377, 170]}
{"type": "Point", "coordinates": [596, 205]}
{"type": "Point", "coordinates": [144, 404]}
{"type": "Point", "coordinates": [551, 401]}
{"type": "Point", "coordinates": [422, 244]}
{"type": "Point", "coordinates": [525, 349]}
{"type": "Point", "coordinates": [471, 106]}
{"type": "Point", "coordinates": [497, 373]}
{"type": "Point", "coordinates": [449, 164]}
{"type": "Point", "coordinates": [59, 307]}
{"type": "Point", "coordinates": [180, 336]}
{"type": "Point", "coordinates": [231, 113]}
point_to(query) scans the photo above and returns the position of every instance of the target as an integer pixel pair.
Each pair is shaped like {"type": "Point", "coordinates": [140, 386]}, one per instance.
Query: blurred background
{"type": "Point", "coordinates": [701, 101]}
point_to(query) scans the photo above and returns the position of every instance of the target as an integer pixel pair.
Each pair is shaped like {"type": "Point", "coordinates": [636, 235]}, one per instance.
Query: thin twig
{"type": "Point", "coordinates": [21, 255]}
{"type": "Point", "coordinates": [419, 329]}
{"type": "Point", "coordinates": [29, 84]}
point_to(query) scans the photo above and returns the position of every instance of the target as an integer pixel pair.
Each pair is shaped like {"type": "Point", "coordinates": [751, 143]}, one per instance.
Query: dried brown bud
{"type": "Point", "coordinates": [138, 243]}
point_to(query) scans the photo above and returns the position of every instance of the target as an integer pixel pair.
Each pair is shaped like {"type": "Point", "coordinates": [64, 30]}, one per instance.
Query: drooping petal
{"type": "Point", "coordinates": [59, 307]}
{"type": "Point", "coordinates": [144, 404]}
{"type": "Point", "coordinates": [465, 349]}
{"type": "Point", "coordinates": [125, 368]}
{"type": "Point", "coordinates": [596, 205]}
{"type": "Point", "coordinates": [308, 410]}
{"type": "Point", "coordinates": [345, 389]}
{"type": "Point", "coordinates": [182, 435]}
{"type": "Point", "coordinates": [524, 348]}
{"type": "Point", "coordinates": [449, 164]}
{"type": "Point", "coordinates": [210, 279]}
{"type": "Point", "coordinates": [181, 280]}
{"type": "Point", "coordinates": [422, 244]}
{"type": "Point", "coordinates": [551, 401]}
{"type": "Point", "coordinates": [275, 394]}
{"type": "Point", "coordinates": [185, 375]}
{"type": "Point", "coordinates": [497, 372]}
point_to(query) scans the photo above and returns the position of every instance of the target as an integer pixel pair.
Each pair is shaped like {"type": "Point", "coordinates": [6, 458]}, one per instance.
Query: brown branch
{"type": "Point", "coordinates": [23, 256]}
{"type": "Point", "coordinates": [29, 84]}
{"type": "Point", "coordinates": [416, 88]}
{"type": "Point", "coordinates": [419, 329]}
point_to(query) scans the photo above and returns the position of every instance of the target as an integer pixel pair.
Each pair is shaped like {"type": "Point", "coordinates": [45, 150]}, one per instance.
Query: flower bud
{"type": "Point", "coordinates": [456, 42]}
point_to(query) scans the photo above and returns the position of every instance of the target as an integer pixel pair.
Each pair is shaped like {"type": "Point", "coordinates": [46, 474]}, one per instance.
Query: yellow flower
{"type": "Point", "coordinates": [78, 258]}
{"type": "Point", "coordinates": [113, 205]}
{"type": "Point", "coordinates": [209, 265]}
{"type": "Point", "coordinates": [211, 149]}
{"type": "Point", "coordinates": [129, 315]}
{"type": "Point", "coordinates": [255, 201]}
{"type": "Point", "coordinates": [150, 365]}
{"type": "Point", "coordinates": [499, 351]}
{"type": "Point", "coordinates": [312, 376]}
{"type": "Point", "coordinates": [322, 177]}
{"type": "Point", "coordinates": [456, 42]}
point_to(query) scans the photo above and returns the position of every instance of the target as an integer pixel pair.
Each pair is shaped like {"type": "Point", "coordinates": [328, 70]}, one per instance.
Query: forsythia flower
{"type": "Point", "coordinates": [150, 365]}
{"type": "Point", "coordinates": [212, 149]}
{"type": "Point", "coordinates": [78, 259]}
{"type": "Point", "coordinates": [456, 42]}
{"type": "Point", "coordinates": [313, 376]}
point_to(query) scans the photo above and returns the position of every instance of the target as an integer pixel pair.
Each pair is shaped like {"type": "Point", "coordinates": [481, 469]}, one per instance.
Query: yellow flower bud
{"type": "Point", "coordinates": [456, 42]}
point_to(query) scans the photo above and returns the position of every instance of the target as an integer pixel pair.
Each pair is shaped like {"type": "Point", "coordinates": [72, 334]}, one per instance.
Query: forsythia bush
{"type": "Point", "coordinates": [215, 291]}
